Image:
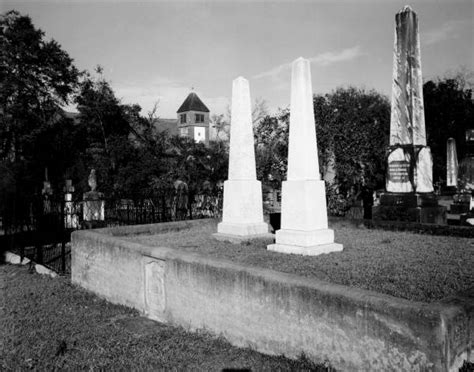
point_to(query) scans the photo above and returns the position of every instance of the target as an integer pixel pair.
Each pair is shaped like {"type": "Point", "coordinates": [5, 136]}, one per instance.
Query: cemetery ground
{"type": "Point", "coordinates": [416, 267]}
{"type": "Point", "coordinates": [49, 324]}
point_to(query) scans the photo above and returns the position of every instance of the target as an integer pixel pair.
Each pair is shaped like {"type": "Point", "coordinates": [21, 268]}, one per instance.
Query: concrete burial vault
{"type": "Point", "coordinates": [270, 311]}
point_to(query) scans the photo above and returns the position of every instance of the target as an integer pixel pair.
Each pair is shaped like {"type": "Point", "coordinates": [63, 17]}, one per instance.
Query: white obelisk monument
{"type": "Point", "coordinates": [452, 163]}
{"type": "Point", "coordinates": [304, 222]}
{"type": "Point", "coordinates": [243, 208]}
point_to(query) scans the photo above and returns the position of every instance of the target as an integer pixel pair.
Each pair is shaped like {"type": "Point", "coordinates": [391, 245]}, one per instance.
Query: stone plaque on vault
{"type": "Point", "coordinates": [155, 300]}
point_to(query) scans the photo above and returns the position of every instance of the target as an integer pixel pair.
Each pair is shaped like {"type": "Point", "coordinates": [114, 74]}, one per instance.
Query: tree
{"type": "Point", "coordinates": [36, 78]}
{"type": "Point", "coordinates": [352, 128]}
{"type": "Point", "coordinates": [449, 111]}
{"type": "Point", "coordinates": [110, 131]}
{"type": "Point", "coordinates": [271, 148]}
{"type": "Point", "coordinates": [221, 123]}
{"type": "Point", "coordinates": [354, 125]}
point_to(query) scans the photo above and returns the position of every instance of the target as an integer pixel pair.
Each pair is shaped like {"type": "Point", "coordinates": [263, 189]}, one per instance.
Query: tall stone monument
{"type": "Point", "coordinates": [451, 164]}
{"type": "Point", "coordinates": [242, 217]}
{"type": "Point", "coordinates": [304, 222]}
{"type": "Point", "coordinates": [409, 181]}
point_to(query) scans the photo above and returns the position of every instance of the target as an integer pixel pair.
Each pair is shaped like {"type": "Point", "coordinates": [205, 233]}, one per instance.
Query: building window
{"type": "Point", "coordinates": [199, 134]}
{"type": "Point", "coordinates": [199, 118]}
{"type": "Point", "coordinates": [182, 118]}
{"type": "Point", "coordinates": [183, 132]}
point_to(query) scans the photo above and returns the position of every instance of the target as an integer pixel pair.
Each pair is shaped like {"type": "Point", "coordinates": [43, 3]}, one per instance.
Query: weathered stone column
{"type": "Point", "coordinates": [304, 222]}
{"type": "Point", "coordinates": [451, 163]}
{"type": "Point", "coordinates": [409, 181]}
{"type": "Point", "coordinates": [243, 209]}
{"type": "Point", "coordinates": [410, 164]}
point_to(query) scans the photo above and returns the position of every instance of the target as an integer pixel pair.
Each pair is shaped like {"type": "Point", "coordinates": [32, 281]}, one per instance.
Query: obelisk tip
{"type": "Point", "coordinates": [241, 81]}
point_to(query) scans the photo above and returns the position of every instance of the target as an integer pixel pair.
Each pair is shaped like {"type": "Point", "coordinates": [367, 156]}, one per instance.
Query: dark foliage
{"type": "Point", "coordinates": [449, 111]}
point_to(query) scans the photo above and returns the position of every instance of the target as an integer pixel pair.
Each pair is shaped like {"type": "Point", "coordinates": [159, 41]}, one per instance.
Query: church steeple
{"type": "Point", "coordinates": [193, 119]}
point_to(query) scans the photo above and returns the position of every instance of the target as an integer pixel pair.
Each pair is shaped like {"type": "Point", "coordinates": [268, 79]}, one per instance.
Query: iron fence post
{"type": "Point", "coordinates": [63, 236]}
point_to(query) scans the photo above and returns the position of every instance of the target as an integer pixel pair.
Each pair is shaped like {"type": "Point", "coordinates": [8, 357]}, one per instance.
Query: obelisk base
{"type": "Point", "coordinates": [308, 243]}
{"type": "Point", "coordinates": [410, 207]}
{"type": "Point", "coordinates": [242, 218]}
{"type": "Point", "coordinates": [240, 232]}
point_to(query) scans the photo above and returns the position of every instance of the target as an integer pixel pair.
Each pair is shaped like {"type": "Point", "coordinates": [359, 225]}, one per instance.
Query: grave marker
{"type": "Point", "coordinates": [243, 209]}
{"type": "Point", "coordinates": [409, 180]}
{"type": "Point", "coordinates": [304, 222]}
{"type": "Point", "coordinates": [94, 206]}
{"type": "Point", "coordinates": [451, 164]}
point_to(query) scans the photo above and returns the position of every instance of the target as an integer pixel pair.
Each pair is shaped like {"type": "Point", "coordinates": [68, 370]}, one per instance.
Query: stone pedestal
{"type": "Point", "coordinates": [304, 220]}
{"type": "Point", "coordinates": [93, 208]}
{"type": "Point", "coordinates": [409, 169]}
{"type": "Point", "coordinates": [304, 223]}
{"type": "Point", "coordinates": [242, 217]}
{"type": "Point", "coordinates": [462, 203]}
{"type": "Point", "coordinates": [412, 207]}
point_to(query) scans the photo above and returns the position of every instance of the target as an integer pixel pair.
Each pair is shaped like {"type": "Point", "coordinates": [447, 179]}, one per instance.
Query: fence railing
{"type": "Point", "coordinates": [41, 229]}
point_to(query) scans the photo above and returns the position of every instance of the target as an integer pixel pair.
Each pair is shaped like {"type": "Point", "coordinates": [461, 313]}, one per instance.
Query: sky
{"type": "Point", "coordinates": [159, 51]}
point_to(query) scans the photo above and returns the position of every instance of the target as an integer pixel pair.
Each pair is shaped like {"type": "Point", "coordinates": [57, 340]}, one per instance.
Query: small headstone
{"type": "Point", "coordinates": [47, 193]}
{"type": "Point", "coordinates": [71, 220]}
{"type": "Point", "coordinates": [47, 189]}
{"type": "Point", "coordinates": [243, 205]}
{"type": "Point", "coordinates": [304, 222]}
{"type": "Point", "coordinates": [94, 208]}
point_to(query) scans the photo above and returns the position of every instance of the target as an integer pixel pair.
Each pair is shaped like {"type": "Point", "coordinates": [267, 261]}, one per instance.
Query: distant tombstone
{"type": "Point", "coordinates": [47, 193]}
{"type": "Point", "coordinates": [181, 199]}
{"type": "Point", "coordinates": [71, 220]}
{"type": "Point", "coordinates": [94, 206]}
{"type": "Point", "coordinates": [451, 163]}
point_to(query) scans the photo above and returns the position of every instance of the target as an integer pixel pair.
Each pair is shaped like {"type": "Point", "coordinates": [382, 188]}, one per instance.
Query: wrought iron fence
{"type": "Point", "coordinates": [40, 228]}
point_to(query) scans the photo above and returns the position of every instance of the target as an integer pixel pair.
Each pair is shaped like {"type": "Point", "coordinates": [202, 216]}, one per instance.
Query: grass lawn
{"type": "Point", "coordinates": [401, 264]}
{"type": "Point", "coordinates": [49, 324]}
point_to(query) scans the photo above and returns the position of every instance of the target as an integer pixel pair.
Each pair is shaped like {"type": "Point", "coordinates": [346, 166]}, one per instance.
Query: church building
{"type": "Point", "coordinates": [193, 119]}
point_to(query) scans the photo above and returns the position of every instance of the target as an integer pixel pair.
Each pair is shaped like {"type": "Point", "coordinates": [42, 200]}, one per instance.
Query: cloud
{"type": "Point", "coordinates": [448, 30]}
{"type": "Point", "coordinates": [323, 59]}
{"type": "Point", "coordinates": [328, 58]}
{"type": "Point", "coordinates": [168, 93]}
{"type": "Point", "coordinates": [273, 72]}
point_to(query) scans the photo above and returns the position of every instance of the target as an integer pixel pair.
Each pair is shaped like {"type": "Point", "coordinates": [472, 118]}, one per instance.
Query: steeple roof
{"type": "Point", "coordinates": [192, 103]}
